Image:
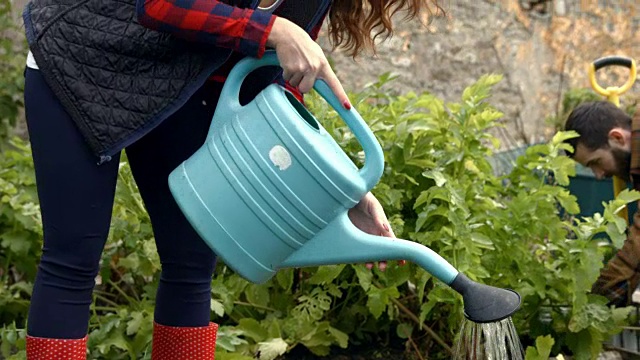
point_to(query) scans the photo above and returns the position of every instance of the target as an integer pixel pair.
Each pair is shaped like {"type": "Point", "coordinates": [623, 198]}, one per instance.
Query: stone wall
{"type": "Point", "coordinates": [542, 48]}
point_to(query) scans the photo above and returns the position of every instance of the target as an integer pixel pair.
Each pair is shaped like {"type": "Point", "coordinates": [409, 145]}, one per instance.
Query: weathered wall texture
{"type": "Point", "coordinates": [542, 47]}
{"type": "Point", "coordinates": [541, 51]}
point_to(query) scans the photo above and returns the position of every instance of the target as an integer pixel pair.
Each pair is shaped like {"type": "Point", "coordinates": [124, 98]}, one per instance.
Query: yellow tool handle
{"type": "Point", "coordinates": [612, 94]}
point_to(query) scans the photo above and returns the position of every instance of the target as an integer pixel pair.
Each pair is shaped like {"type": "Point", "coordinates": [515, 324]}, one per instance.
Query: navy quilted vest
{"type": "Point", "coordinates": [118, 79]}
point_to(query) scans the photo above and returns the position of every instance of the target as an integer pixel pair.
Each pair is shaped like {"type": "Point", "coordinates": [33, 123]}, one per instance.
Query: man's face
{"type": "Point", "coordinates": [605, 162]}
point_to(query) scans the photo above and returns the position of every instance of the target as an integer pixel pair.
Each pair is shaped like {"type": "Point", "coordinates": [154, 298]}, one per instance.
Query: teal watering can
{"type": "Point", "coordinates": [270, 189]}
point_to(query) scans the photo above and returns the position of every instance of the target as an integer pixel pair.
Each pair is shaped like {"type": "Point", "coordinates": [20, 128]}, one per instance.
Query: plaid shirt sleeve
{"type": "Point", "coordinates": [621, 275]}
{"type": "Point", "coordinates": [209, 21]}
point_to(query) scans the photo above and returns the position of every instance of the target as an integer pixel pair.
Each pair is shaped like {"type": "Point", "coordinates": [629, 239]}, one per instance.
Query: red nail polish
{"type": "Point", "coordinates": [346, 105]}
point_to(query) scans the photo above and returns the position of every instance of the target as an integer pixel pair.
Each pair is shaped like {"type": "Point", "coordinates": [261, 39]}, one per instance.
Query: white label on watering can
{"type": "Point", "coordinates": [280, 157]}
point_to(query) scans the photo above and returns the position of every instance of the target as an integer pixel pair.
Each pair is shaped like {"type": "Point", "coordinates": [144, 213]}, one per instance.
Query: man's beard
{"type": "Point", "coordinates": [622, 159]}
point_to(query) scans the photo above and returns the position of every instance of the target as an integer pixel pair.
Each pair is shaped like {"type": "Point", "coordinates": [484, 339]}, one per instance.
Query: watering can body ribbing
{"type": "Point", "coordinates": [271, 188]}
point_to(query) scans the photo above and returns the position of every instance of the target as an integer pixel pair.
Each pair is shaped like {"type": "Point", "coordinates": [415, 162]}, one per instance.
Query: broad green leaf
{"type": "Point", "coordinates": [568, 202]}
{"type": "Point", "coordinates": [364, 276]}
{"type": "Point", "coordinates": [562, 136]}
{"type": "Point", "coordinates": [437, 176]}
{"type": "Point", "coordinates": [376, 302]}
{"type": "Point", "coordinates": [273, 329]}
{"type": "Point", "coordinates": [252, 328]}
{"type": "Point", "coordinates": [341, 338]}
{"type": "Point", "coordinates": [217, 307]}
{"type": "Point", "coordinates": [258, 294]}
{"type": "Point", "coordinates": [229, 339]}
{"type": "Point", "coordinates": [114, 339]}
{"type": "Point", "coordinates": [404, 330]}
{"type": "Point", "coordinates": [16, 241]}
{"type": "Point", "coordinates": [269, 350]}
{"type": "Point", "coordinates": [285, 278]}
{"type": "Point", "coordinates": [482, 241]}
{"type": "Point", "coordinates": [130, 262]}
{"type": "Point", "coordinates": [628, 196]}
{"type": "Point", "coordinates": [134, 324]}
{"type": "Point", "coordinates": [542, 351]}
{"type": "Point", "coordinates": [326, 274]}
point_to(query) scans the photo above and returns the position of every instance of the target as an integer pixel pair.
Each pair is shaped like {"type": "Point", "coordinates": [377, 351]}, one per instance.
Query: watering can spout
{"type": "Point", "coordinates": [342, 243]}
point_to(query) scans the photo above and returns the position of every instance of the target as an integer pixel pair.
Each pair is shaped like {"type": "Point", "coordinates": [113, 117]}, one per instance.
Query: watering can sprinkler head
{"type": "Point", "coordinates": [483, 303]}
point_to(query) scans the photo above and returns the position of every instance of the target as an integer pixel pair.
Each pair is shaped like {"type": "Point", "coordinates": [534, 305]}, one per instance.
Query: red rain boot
{"type": "Point", "coordinates": [56, 349]}
{"type": "Point", "coordinates": [184, 343]}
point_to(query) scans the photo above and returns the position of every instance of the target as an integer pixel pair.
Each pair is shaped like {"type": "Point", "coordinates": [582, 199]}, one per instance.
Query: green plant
{"type": "Point", "coordinates": [20, 231]}
{"type": "Point", "coordinates": [513, 231]}
{"type": "Point", "coordinates": [12, 62]}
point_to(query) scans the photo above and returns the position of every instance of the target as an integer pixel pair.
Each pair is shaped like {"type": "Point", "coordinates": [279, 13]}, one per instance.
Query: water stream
{"type": "Point", "coordinates": [489, 341]}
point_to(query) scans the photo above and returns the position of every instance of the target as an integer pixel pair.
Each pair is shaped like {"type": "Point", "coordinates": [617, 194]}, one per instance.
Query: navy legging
{"type": "Point", "coordinates": [76, 198]}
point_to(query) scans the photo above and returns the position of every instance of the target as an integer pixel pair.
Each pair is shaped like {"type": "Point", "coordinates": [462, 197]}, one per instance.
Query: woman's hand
{"type": "Point", "coordinates": [302, 59]}
{"type": "Point", "coordinates": [369, 217]}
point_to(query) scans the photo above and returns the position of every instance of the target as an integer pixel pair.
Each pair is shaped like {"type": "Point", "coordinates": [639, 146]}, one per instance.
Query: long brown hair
{"type": "Point", "coordinates": [355, 24]}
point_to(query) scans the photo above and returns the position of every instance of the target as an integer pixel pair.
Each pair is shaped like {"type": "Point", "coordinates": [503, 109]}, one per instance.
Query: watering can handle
{"type": "Point", "coordinates": [374, 158]}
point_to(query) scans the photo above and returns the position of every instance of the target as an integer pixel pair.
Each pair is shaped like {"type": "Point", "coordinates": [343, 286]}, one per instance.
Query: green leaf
{"type": "Point", "coordinates": [16, 241]}
{"type": "Point", "coordinates": [568, 202]}
{"type": "Point", "coordinates": [562, 136]}
{"type": "Point", "coordinates": [217, 307]}
{"type": "Point", "coordinates": [364, 276]}
{"type": "Point", "coordinates": [482, 241]}
{"type": "Point", "coordinates": [273, 329]}
{"type": "Point", "coordinates": [114, 339]}
{"type": "Point", "coordinates": [252, 328]}
{"type": "Point", "coordinates": [134, 324]}
{"type": "Point", "coordinates": [326, 274]}
{"type": "Point", "coordinates": [437, 176]}
{"type": "Point", "coordinates": [379, 299]}
{"type": "Point", "coordinates": [341, 338]}
{"type": "Point", "coordinates": [376, 302]}
{"type": "Point", "coordinates": [130, 262]}
{"type": "Point", "coordinates": [628, 196]}
{"type": "Point", "coordinates": [269, 350]}
{"type": "Point", "coordinates": [285, 278]}
{"type": "Point", "coordinates": [542, 351]}
{"type": "Point", "coordinates": [229, 339]}
{"type": "Point", "coordinates": [258, 294]}
{"type": "Point", "coordinates": [404, 330]}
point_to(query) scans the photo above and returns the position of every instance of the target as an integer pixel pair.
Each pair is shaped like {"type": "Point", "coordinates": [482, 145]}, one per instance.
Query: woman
{"type": "Point", "coordinates": [145, 76]}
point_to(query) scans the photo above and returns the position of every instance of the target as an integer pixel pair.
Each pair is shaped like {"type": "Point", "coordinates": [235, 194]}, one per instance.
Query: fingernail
{"type": "Point", "coordinates": [346, 105]}
{"type": "Point", "coordinates": [386, 227]}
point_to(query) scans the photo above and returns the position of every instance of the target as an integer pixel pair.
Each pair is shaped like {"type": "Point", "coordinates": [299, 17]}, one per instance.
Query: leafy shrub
{"type": "Point", "coordinates": [12, 63]}
{"type": "Point", "coordinates": [514, 231]}
{"type": "Point", "coordinates": [439, 189]}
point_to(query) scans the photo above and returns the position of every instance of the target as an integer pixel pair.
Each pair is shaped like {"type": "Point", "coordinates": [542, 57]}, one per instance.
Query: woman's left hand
{"type": "Point", "coordinates": [369, 217]}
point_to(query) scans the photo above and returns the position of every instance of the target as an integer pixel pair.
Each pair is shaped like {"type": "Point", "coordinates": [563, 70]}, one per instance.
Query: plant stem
{"type": "Point", "coordinates": [415, 347]}
{"type": "Point", "coordinates": [422, 325]}
{"type": "Point", "coordinates": [119, 290]}
{"type": "Point", "coordinates": [253, 305]}
{"type": "Point", "coordinates": [105, 308]}
{"type": "Point", "coordinates": [104, 299]}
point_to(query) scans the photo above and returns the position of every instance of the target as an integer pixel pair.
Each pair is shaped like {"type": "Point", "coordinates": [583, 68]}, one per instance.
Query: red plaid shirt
{"type": "Point", "coordinates": [245, 31]}
{"type": "Point", "coordinates": [213, 22]}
